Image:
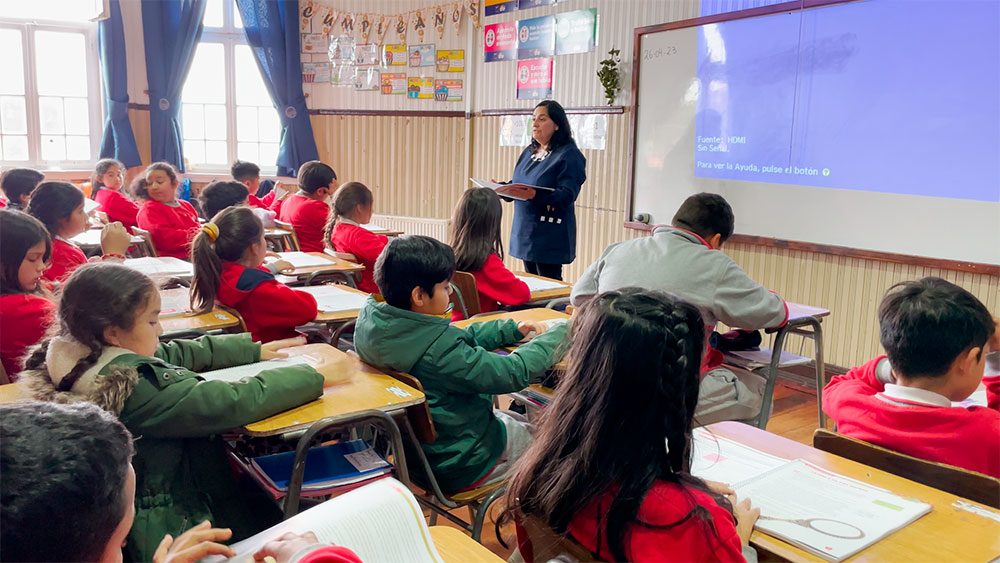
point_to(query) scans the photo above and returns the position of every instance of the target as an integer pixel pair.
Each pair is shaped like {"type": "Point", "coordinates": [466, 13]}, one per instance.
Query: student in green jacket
{"type": "Point", "coordinates": [475, 444]}
{"type": "Point", "coordinates": [107, 352]}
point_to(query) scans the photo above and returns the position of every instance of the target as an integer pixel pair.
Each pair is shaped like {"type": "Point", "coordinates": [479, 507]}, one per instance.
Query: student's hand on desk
{"type": "Point", "coordinates": [746, 517]}
{"type": "Point", "coordinates": [115, 239]}
{"type": "Point", "coordinates": [270, 351]}
{"type": "Point", "coordinates": [194, 545]}
{"type": "Point", "coordinates": [721, 489]}
{"type": "Point", "coordinates": [283, 548]}
{"type": "Point", "coordinates": [283, 266]}
{"type": "Point", "coordinates": [528, 327]}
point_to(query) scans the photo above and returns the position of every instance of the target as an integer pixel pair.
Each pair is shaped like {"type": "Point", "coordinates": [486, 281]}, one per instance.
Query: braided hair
{"type": "Point", "coordinates": [631, 385]}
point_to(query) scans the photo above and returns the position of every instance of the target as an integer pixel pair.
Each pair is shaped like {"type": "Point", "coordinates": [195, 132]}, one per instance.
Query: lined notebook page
{"type": "Point", "coordinates": [237, 373]}
{"type": "Point", "coordinates": [332, 299]}
{"type": "Point", "coordinates": [538, 284]}
{"type": "Point", "coordinates": [304, 260]}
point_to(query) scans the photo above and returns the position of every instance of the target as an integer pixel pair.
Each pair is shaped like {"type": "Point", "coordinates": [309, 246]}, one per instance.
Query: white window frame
{"type": "Point", "coordinates": [95, 95]}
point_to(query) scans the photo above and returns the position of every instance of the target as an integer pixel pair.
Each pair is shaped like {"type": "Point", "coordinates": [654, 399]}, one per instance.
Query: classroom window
{"type": "Point", "coordinates": [227, 113]}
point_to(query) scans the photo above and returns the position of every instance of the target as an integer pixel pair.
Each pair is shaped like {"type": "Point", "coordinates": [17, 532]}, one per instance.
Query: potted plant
{"type": "Point", "coordinates": [610, 75]}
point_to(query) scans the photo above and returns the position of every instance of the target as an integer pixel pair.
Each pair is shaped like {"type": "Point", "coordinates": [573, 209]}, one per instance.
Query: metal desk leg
{"type": "Point", "coordinates": [772, 377]}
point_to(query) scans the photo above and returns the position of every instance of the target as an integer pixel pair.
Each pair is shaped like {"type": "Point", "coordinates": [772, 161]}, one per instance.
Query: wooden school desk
{"type": "Point", "coordinates": [10, 392]}
{"type": "Point", "coordinates": [217, 319]}
{"type": "Point", "coordinates": [804, 321]}
{"type": "Point", "coordinates": [285, 240]}
{"type": "Point", "coordinates": [90, 240]}
{"type": "Point", "coordinates": [337, 267]}
{"type": "Point", "coordinates": [162, 268]}
{"type": "Point", "coordinates": [456, 547]}
{"type": "Point", "coordinates": [547, 294]}
{"type": "Point", "coordinates": [947, 533]}
{"type": "Point", "coordinates": [382, 231]}
{"type": "Point", "coordinates": [336, 317]}
{"type": "Point", "coordinates": [367, 388]}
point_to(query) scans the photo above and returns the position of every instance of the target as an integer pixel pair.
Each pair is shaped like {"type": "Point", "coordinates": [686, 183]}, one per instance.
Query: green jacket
{"type": "Point", "coordinates": [182, 474]}
{"type": "Point", "coordinates": [460, 374]}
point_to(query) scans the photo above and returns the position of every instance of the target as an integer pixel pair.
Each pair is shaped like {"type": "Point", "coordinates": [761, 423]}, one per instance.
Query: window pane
{"type": "Point", "coordinates": [237, 17]}
{"type": "Point", "coordinates": [215, 152]}
{"type": "Point", "coordinates": [250, 88]}
{"type": "Point", "coordinates": [77, 116]}
{"type": "Point", "coordinates": [61, 63]}
{"type": "Point", "coordinates": [193, 121]}
{"type": "Point", "coordinates": [246, 124]}
{"type": "Point", "coordinates": [50, 114]}
{"type": "Point", "coordinates": [268, 154]}
{"type": "Point", "coordinates": [194, 151]}
{"type": "Point", "coordinates": [213, 14]}
{"type": "Point", "coordinates": [247, 151]}
{"type": "Point", "coordinates": [15, 148]}
{"type": "Point", "coordinates": [12, 62]}
{"type": "Point", "coordinates": [77, 147]}
{"type": "Point", "coordinates": [270, 127]}
{"type": "Point", "coordinates": [13, 117]}
{"type": "Point", "coordinates": [206, 81]}
{"type": "Point", "coordinates": [53, 147]}
{"type": "Point", "coordinates": [59, 10]}
{"type": "Point", "coordinates": [215, 122]}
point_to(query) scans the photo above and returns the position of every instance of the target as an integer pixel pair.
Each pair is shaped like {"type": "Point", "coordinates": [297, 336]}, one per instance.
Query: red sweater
{"type": "Point", "coordinates": [363, 244]}
{"type": "Point", "coordinates": [66, 257]}
{"type": "Point", "coordinates": [24, 318]}
{"type": "Point", "coordinates": [270, 309]}
{"type": "Point", "coordinates": [496, 285]}
{"type": "Point", "coordinates": [308, 218]}
{"type": "Point", "coordinates": [118, 207]}
{"type": "Point", "coordinates": [962, 436]}
{"type": "Point", "coordinates": [172, 228]}
{"type": "Point", "coordinates": [665, 503]}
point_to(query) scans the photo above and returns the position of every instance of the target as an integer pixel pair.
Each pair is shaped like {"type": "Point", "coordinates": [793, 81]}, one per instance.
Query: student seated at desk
{"type": "Point", "coordinates": [107, 352]}
{"type": "Point", "coordinates": [307, 210]}
{"type": "Point", "coordinates": [17, 185]}
{"type": "Point", "coordinates": [219, 195]}
{"type": "Point", "coordinates": [410, 332]}
{"type": "Point", "coordinates": [106, 183]}
{"type": "Point", "coordinates": [475, 236]}
{"type": "Point", "coordinates": [77, 458]}
{"type": "Point", "coordinates": [599, 469]}
{"type": "Point", "coordinates": [687, 261]}
{"type": "Point", "coordinates": [352, 207]}
{"type": "Point", "coordinates": [940, 341]}
{"type": "Point", "coordinates": [171, 222]}
{"type": "Point", "coordinates": [59, 206]}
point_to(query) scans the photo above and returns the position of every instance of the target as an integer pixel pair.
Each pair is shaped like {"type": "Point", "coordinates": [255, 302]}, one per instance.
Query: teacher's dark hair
{"type": "Point", "coordinates": [563, 135]}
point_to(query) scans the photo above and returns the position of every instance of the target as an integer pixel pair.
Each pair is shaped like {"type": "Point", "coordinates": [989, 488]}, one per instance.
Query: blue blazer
{"type": "Point", "coordinates": [544, 228]}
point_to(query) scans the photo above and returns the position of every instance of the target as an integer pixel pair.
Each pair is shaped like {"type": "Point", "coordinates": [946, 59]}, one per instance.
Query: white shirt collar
{"type": "Point", "coordinates": [914, 395]}
{"type": "Point", "coordinates": [347, 221]}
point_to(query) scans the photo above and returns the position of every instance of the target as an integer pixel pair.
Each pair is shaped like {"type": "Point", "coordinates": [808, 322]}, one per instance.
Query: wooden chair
{"type": "Point", "coordinates": [464, 294]}
{"type": "Point", "coordinates": [955, 480]}
{"type": "Point", "coordinates": [292, 243]}
{"type": "Point", "coordinates": [419, 428]}
{"type": "Point", "coordinates": [546, 544]}
{"type": "Point", "coordinates": [145, 248]}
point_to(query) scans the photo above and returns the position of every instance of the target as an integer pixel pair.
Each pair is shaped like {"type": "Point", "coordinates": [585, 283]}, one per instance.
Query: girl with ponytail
{"type": "Point", "coordinates": [610, 462]}
{"type": "Point", "coordinates": [228, 256]}
{"type": "Point", "coordinates": [352, 207]}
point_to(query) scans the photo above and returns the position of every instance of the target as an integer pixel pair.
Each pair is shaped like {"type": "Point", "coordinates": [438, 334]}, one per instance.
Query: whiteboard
{"type": "Point", "coordinates": [866, 212]}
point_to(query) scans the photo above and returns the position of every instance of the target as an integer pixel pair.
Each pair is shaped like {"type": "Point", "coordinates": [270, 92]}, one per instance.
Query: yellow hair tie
{"type": "Point", "coordinates": [211, 229]}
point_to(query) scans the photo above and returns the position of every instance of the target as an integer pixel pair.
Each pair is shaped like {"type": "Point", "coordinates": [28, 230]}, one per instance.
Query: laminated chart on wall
{"type": "Point", "coordinates": [315, 72]}
{"type": "Point", "coordinates": [500, 42]}
{"type": "Point", "coordinates": [536, 38]}
{"type": "Point", "coordinates": [367, 79]}
{"type": "Point", "coordinates": [394, 54]}
{"type": "Point", "coordinates": [448, 90]}
{"type": "Point", "coordinates": [534, 79]}
{"type": "Point", "coordinates": [420, 87]}
{"type": "Point", "coordinates": [394, 83]}
{"type": "Point", "coordinates": [495, 7]}
{"type": "Point", "coordinates": [366, 55]}
{"type": "Point", "coordinates": [451, 61]}
{"type": "Point", "coordinates": [576, 32]}
{"type": "Point", "coordinates": [422, 55]}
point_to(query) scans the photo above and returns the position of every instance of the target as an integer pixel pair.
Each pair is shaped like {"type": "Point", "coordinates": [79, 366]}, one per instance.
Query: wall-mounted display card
{"type": "Point", "coordinates": [342, 49]}
{"type": "Point", "coordinates": [534, 79]}
{"type": "Point", "coordinates": [422, 55]}
{"type": "Point", "coordinates": [494, 7]}
{"type": "Point", "coordinates": [526, 4]}
{"type": "Point", "coordinates": [451, 61]}
{"type": "Point", "coordinates": [393, 83]}
{"type": "Point", "coordinates": [313, 43]}
{"type": "Point", "coordinates": [589, 131]}
{"type": "Point", "coordinates": [394, 54]}
{"type": "Point", "coordinates": [367, 79]}
{"type": "Point", "coordinates": [448, 90]}
{"type": "Point", "coordinates": [366, 55]}
{"type": "Point", "coordinates": [500, 41]}
{"type": "Point", "coordinates": [342, 74]}
{"type": "Point", "coordinates": [514, 130]}
{"type": "Point", "coordinates": [315, 72]}
{"type": "Point", "coordinates": [536, 38]}
{"type": "Point", "coordinates": [420, 87]}
{"type": "Point", "coordinates": [576, 32]}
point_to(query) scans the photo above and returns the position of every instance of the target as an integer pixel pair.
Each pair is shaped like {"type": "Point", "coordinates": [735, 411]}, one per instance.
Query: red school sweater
{"type": "Point", "coordinates": [66, 257]}
{"type": "Point", "coordinates": [963, 436]}
{"type": "Point", "coordinates": [118, 207]}
{"type": "Point", "coordinates": [270, 309]}
{"type": "Point", "coordinates": [308, 218]}
{"type": "Point", "coordinates": [24, 318]}
{"type": "Point", "coordinates": [496, 286]}
{"type": "Point", "coordinates": [171, 228]}
{"type": "Point", "coordinates": [363, 244]}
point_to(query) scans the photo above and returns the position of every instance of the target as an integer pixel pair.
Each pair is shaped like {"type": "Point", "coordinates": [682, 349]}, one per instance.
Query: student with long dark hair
{"type": "Point", "coordinates": [106, 185]}
{"type": "Point", "coordinates": [171, 222]}
{"type": "Point", "coordinates": [475, 237]}
{"type": "Point", "coordinates": [352, 207]}
{"type": "Point", "coordinates": [610, 463]}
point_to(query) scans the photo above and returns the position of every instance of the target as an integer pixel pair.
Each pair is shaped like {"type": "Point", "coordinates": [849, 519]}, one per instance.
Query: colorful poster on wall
{"type": "Point", "coordinates": [342, 74]}
{"type": "Point", "coordinates": [527, 4]}
{"type": "Point", "coordinates": [576, 32]}
{"type": "Point", "coordinates": [448, 90]}
{"type": "Point", "coordinates": [451, 61]}
{"type": "Point", "coordinates": [494, 7]}
{"type": "Point", "coordinates": [422, 55]}
{"type": "Point", "coordinates": [534, 79]}
{"type": "Point", "coordinates": [313, 43]}
{"type": "Point", "coordinates": [367, 79]}
{"type": "Point", "coordinates": [366, 55]}
{"type": "Point", "coordinates": [315, 72]}
{"type": "Point", "coordinates": [536, 38]}
{"type": "Point", "coordinates": [420, 87]}
{"type": "Point", "coordinates": [500, 41]}
{"type": "Point", "coordinates": [394, 54]}
{"type": "Point", "coordinates": [341, 49]}
{"type": "Point", "coordinates": [514, 130]}
{"type": "Point", "coordinates": [394, 83]}
{"type": "Point", "coordinates": [589, 131]}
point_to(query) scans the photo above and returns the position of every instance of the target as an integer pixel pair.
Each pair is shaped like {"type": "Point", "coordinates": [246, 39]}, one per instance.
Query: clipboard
{"type": "Point", "coordinates": [501, 189]}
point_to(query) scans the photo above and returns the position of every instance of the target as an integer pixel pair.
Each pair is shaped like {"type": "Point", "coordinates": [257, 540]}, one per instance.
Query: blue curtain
{"type": "Point", "coordinates": [272, 30]}
{"type": "Point", "coordinates": [172, 29]}
{"type": "Point", "coordinates": [119, 140]}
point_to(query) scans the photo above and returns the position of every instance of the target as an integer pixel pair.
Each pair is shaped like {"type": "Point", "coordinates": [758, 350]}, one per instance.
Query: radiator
{"type": "Point", "coordinates": [434, 228]}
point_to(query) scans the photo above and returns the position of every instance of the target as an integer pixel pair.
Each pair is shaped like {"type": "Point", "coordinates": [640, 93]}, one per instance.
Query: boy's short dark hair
{"type": "Point", "coordinates": [926, 324]}
{"type": "Point", "coordinates": [706, 215]}
{"type": "Point", "coordinates": [219, 195]}
{"type": "Point", "coordinates": [314, 175]}
{"type": "Point", "coordinates": [64, 472]}
{"type": "Point", "coordinates": [410, 261]}
{"type": "Point", "coordinates": [16, 182]}
{"type": "Point", "coordinates": [243, 171]}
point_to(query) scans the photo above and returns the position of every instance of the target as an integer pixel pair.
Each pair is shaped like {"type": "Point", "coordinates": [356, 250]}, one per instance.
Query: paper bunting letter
{"type": "Point", "coordinates": [366, 27]}
{"type": "Point", "coordinates": [439, 19]}
{"type": "Point", "coordinates": [308, 9]}
{"type": "Point", "coordinates": [381, 27]}
{"type": "Point", "coordinates": [347, 24]}
{"type": "Point", "coordinates": [473, 7]}
{"type": "Point", "coordinates": [330, 20]}
{"type": "Point", "coordinates": [456, 17]}
{"type": "Point", "coordinates": [419, 26]}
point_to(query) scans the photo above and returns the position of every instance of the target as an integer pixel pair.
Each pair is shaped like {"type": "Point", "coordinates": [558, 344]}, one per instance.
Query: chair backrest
{"type": "Point", "coordinates": [419, 415]}
{"type": "Point", "coordinates": [288, 227]}
{"type": "Point", "coordinates": [955, 480]}
{"type": "Point", "coordinates": [547, 545]}
{"type": "Point", "coordinates": [147, 239]}
{"type": "Point", "coordinates": [465, 285]}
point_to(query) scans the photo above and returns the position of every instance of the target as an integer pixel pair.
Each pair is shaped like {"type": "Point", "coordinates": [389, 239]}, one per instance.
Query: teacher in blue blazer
{"type": "Point", "coordinates": [544, 232]}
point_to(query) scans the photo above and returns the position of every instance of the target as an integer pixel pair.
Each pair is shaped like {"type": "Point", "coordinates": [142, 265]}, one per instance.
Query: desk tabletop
{"type": "Point", "coordinates": [947, 533]}
{"type": "Point", "coordinates": [336, 265]}
{"type": "Point", "coordinates": [456, 547]}
{"type": "Point", "coordinates": [538, 314]}
{"type": "Point", "coordinates": [797, 311]}
{"type": "Point", "coordinates": [91, 239]}
{"type": "Point", "coordinates": [10, 392]}
{"type": "Point", "coordinates": [176, 299]}
{"type": "Point", "coordinates": [334, 317]}
{"type": "Point", "coordinates": [160, 267]}
{"type": "Point", "coordinates": [366, 388]}
{"type": "Point", "coordinates": [547, 294]}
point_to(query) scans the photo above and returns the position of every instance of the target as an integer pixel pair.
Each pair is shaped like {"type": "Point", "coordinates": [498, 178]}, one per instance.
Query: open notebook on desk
{"type": "Point", "coordinates": [304, 259]}
{"type": "Point", "coordinates": [236, 373]}
{"type": "Point", "coordinates": [334, 299]}
{"type": "Point", "coordinates": [160, 266]}
{"type": "Point", "coordinates": [539, 284]}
